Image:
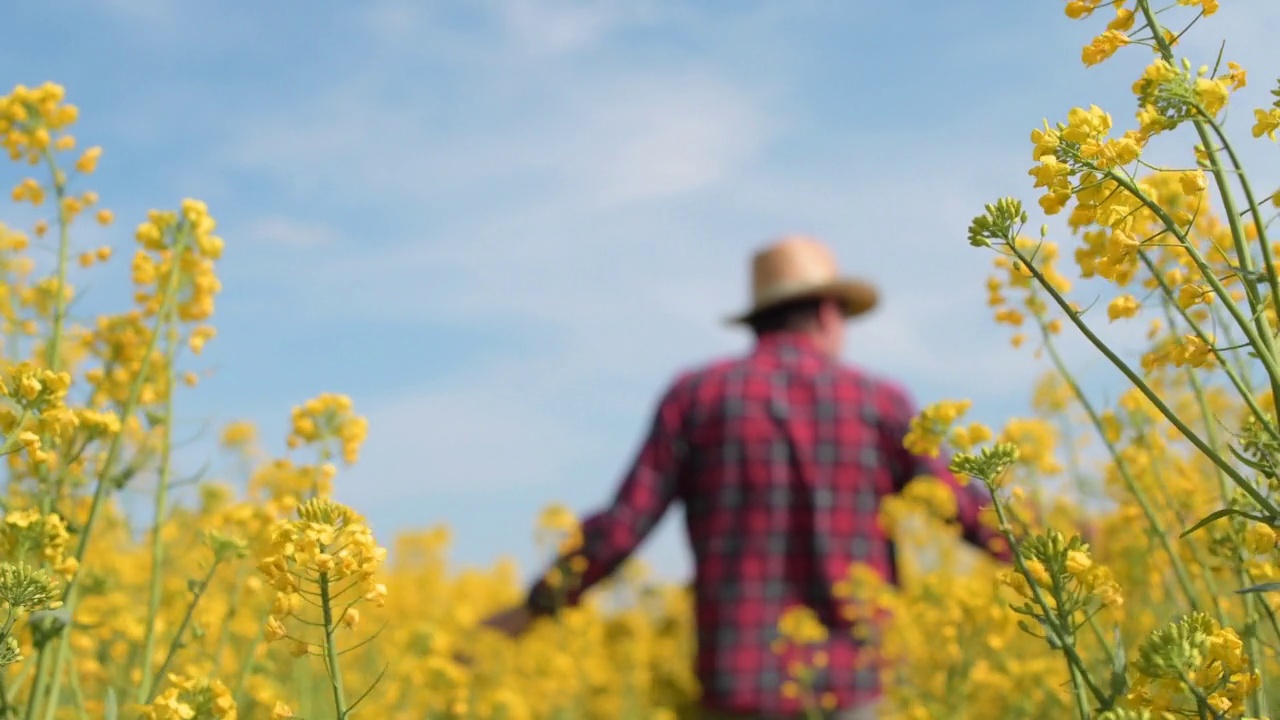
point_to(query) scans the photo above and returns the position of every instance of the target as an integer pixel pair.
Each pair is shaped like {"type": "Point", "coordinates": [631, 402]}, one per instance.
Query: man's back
{"type": "Point", "coordinates": [781, 458]}
{"type": "Point", "coordinates": [789, 454]}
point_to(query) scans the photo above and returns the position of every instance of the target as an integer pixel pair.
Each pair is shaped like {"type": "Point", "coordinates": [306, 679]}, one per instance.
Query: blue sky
{"type": "Point", "coordinates": [501, 226]}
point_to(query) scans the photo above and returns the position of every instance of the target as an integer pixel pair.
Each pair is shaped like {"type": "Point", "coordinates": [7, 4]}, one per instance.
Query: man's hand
{"type": "Point", "coordinates": [511, 623]}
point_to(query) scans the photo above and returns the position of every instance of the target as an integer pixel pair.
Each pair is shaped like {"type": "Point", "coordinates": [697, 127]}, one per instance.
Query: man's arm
{"type": "Point", "coordinates": [611, 535]}
{"type": "Point", "coordinates": [897, 410]}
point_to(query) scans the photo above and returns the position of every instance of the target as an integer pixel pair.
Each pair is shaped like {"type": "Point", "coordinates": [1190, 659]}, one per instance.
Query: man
{"type": "Point", "coordinates": [780, 458]}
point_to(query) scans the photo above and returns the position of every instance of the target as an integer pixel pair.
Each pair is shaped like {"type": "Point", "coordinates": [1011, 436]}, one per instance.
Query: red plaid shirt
{"type": "Point", "coordinates": [780, 459]}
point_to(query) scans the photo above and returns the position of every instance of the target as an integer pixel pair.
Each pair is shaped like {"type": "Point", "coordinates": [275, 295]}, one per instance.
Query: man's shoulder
{"type": "Point", "coordinates": [700, 381]}
{"type": "Point", "coordinates": [880, 396]}
{"type": "Point", "coordinates": [690, 377]}
{"type": "Point", "coordinates": [870, 381]}
{"type": "Point", "coordinates": [713, 373]}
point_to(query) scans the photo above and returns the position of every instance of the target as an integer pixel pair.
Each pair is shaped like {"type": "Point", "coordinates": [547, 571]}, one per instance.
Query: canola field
{"type": "Point", "coordinates": [1145, 576]}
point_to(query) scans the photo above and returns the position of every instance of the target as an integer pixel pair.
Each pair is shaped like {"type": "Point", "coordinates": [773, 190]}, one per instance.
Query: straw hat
{"type": "Point", "coordinates": [797, 267]}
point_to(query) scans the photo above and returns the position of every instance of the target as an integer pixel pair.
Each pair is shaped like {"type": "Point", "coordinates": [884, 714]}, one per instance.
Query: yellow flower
{"type": "Point", "coordinates": [1189, 295]}
{"type": "Point", "coordinates": [1016, 581]}
{"type": "Point", "coordinates": [1038, 573]}
{"type": "Point", "coordinates": [329, 418]}
{"type": "Point", "coordinates": [964, 438]}
{"type": "Point", "coordinates": [1077, 9]}
{"type": "Point", "coordinates": [239, 434]}
{"type": "Point", "coordinates": [1125, 306]}
{"type": "Point", "coordinates": [1078, 563]}
{"type": "Point", "coordinates": [799, 625]}
{"type": "Point", "coordinates": [1211, 94]}
{"type": "Point", "coordinates": [1103, 47]}
{"type": "Point", "coordinates": [1111, 427]}
{"type": "Point", "coordinates": [275, 630]}
{"type": "Point", "coordinates": [1193, 351]}
{"type": "Point", "coordinates": [350, 618]}
{"type": "Point", "coordinates": [1208, 7]}
{"type": "Point", "coordinates": [1259, 538]}
{"type": "Point", "coordinates": [1267, 122]}
{"type": "Point", "coordinates": [1193, 183]}
{"type": "Point", "coordinates": [1237, 76]}
{"type": "Point", "coordinates": [88, 162]}
{"type": "Point", "coordinates": [927, 430]}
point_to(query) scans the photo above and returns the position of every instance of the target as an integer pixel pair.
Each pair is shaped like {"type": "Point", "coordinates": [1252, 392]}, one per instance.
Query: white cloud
{"type": "Point", "coordinates": [634, 138]}
{"type": "Point", "coordinates": [392, 20]}
{"type": "Point", "coordinates": [554, 27]}
{"type": "Point", "coordinates": [532, 30]}
{"type": "Point", "coordinates": [289, 232]}
{"type": "Point", "coordinates": [487, 429]}
{"type": "Point", "coordinates": [660, 137]}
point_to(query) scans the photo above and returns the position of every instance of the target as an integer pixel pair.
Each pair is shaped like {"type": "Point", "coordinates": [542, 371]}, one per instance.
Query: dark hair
{"type": "Point", "coordinates": [798, 315]}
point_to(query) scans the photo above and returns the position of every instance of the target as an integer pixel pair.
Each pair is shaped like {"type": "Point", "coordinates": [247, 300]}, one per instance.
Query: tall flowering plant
{"type": "Point", "coordinates": [1191, 448]}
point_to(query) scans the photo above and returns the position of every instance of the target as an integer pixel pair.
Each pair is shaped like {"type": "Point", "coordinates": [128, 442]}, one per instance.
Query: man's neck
{"type": "Point", "coordinates": [788, 337]}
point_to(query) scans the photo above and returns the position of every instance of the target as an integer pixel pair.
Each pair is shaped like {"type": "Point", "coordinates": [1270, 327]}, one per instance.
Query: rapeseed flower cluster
{"type": "Point", "coordinates": [329, 418]}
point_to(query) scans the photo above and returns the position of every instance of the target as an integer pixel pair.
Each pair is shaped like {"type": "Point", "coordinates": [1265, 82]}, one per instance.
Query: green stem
{"type": "Point", "coordinates": [1244, 323]}
{"type": "Point", "coordinates": [176, 644]}
{"type": "Point", "coordinates": [232, 607]}
{"type": "Point", "coordinates": [11, 442]}
{"type": "Point", "coordinates": [53, 352]}
{"type": "Point", "coordinates": [37, 684]}
{"type": "Point", "coordinates": [70, 595]}
{"type": "Point", "coordinates": [1223, 488]}
{"type": "Point", "coordinates": [1244, 377]}
{"type": "Point", "coordinates": [1179, 569]}
{"type": "Point", "coordinates": [1202, 702]}
{"type": "Point", "coordinates": [1263, 501]}
{"type": "Point", "coordinates": [1068, 648]}
{"type": "Point", "coordinates": [1243, 255]}
{"type": "Point", "coordinates": [77, 693]}
{"type": "Point", "coordinates": [1170, 505]}
{"type": "Point", "coordinates": [1102, 640]}
{"type": "Point", "coordinates": [1258, 705]}
{"type": "Point", "coordinates": [1082, 698]}
{"type": "Point", "coordinates": [1266, 344]}
{"type": "Point", "coordinates": [1255, 211]}
{"type": "Point", "coordinates": [162, 488]}
{"type": "Point", "coordinates": [247, 666]}
{"type": "Point", "coordinates": [1266, 351]}
{"type": "Point", "coordinates": [19, 679]}
{"type": "Point", "coordinates": [1245, 392]}
{"type": "Point", "coordinates": [331, 649]}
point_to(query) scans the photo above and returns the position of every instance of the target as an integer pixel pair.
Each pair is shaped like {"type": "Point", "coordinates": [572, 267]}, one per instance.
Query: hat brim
{"type": "Point", "coordinates": [855, 297]}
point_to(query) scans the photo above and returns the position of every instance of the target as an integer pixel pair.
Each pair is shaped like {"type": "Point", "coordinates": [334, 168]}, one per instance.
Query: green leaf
{"type": "Point", "coordinates": [110, 706]}
{"type": "Point", "coordinates": [1119, 681]}
{"type": "Point", "coordinates": [1264, 587]}
{"type": "Point", "coordinates": [1212, 517]}
{"type": "Point", "coordinates": [1250, 462]}
{"type": "Point", "coordinates": [1025, 627]}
